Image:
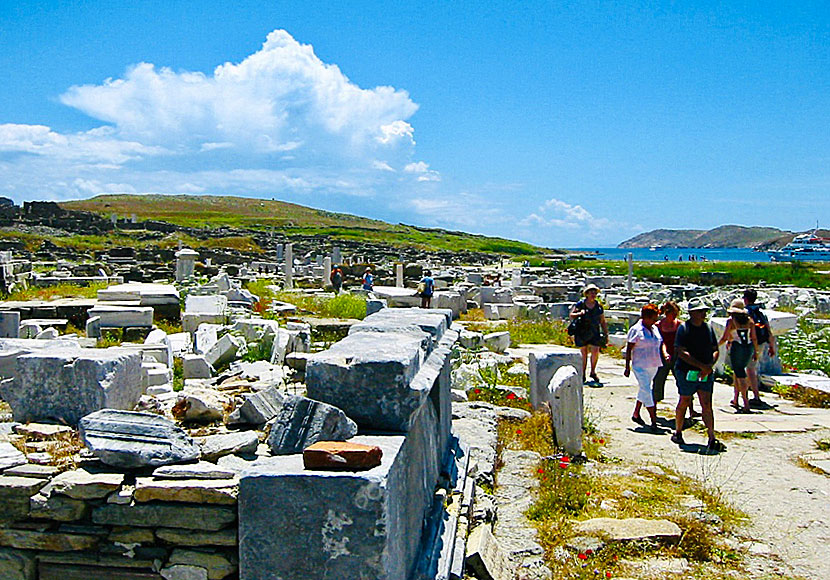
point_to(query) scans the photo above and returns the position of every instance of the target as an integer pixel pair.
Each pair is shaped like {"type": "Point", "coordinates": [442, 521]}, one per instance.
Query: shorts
{"type": "Point", "coordinates": [645, 376]}
{"type": "Point", "coordinates": [739, 357]}
{"type": "Point", "coordinates": [589, 339]}
{"type": "Point", "coordinates": [688, 388]}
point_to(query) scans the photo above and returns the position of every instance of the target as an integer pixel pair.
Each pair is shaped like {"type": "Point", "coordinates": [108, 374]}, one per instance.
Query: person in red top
{"type": "Point", "coordinates": [667, 326]}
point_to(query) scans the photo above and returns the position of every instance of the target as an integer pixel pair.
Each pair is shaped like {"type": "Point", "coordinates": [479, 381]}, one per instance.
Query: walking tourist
{"type": "Point", "coordinates": [426, 289]}
{"type": "Point", "coordinates": [591, 329]}
{"type": "Point", "coordinates": [368, 280]}
{"type": "Point", "coordinates": [336, 278]}
{"type": "Point", "coordinates": [667, 326]}
{"type": "Point", "coordinates": [697, 351]}
{"type": "Point", "coordinates": [764, 336]}
{"type": "Point", "coordinates": [644, 354]}
{"type": "Point", "coordinates": [743, 347]}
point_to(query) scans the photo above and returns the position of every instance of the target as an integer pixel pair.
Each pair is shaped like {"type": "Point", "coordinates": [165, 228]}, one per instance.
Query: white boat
{"type": "Point", "coordinates": [804, 248]}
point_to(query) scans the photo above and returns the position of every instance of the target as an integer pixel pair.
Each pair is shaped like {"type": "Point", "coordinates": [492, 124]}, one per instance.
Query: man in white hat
{"type": "Point", "coordinates": [696, 349]}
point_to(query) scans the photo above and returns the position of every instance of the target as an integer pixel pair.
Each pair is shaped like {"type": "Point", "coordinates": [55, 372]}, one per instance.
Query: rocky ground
{"type": "Point", "coordinates": [765, 472]}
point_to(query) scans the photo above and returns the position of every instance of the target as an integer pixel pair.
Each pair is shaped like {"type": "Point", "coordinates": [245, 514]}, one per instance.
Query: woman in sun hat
{"type": "Point", "coordinates": [743, 347]}
{"type": "Point", "coordinates": [592, 331]}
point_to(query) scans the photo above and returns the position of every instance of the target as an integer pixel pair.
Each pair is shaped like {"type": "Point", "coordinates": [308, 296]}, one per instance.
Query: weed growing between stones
{"type": "Point", "coordinates": [178, 374]}
{"type": "Point", "coordinates": [803, 395]}
{"type": "Point", "coordinates": [823, 444]}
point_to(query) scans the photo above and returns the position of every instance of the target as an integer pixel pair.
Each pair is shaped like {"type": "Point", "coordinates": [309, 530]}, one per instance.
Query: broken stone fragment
{"type": "Point", "coordinates": [41, 430]}
{"type": "Point", "coordinates": [629, 529]}
{"type": "Point", "coordinates": [485, 557]}
{"type": "Point", "coordinates": [14, 496]}
{"type": "Point", "coordinates": [497, 341]}
{"type": "Point", "coordinates": [195, 366]}
{"type": "Point", "coordinates": [216, 446]}
{"type": "Point", "coordinates": [217, 565]}
{"type": "Point", "coordinates": [57, 507]}
{"type": "Point", "coordinates": [341, 455]}
{"type": "Point", "coordinates": [258, 408]}
{"type": "Point", "coordinates": [128, 439]}
{"type": "Point", "coordinates": [203, 405]}
{"type": "Point", "coordinates": [301, 422]}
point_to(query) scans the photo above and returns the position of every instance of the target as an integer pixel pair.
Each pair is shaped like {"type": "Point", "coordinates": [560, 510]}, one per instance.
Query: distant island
{"type": "Point", "coordinates": [729, 236]}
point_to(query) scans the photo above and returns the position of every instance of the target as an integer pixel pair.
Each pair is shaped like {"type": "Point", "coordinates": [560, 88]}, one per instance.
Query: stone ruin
{"type": "Point", "coordinates": [147, 499]}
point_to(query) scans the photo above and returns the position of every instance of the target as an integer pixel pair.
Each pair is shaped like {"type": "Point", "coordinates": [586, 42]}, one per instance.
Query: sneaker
{"type": "Point", "coordinates": [594, 377]}
{"type": "Point", "coordinates": [677, 438]}
{"type": "Point", "coordinates": [756, 402]}
{"type": "Point", "coordinates": [715, 446]}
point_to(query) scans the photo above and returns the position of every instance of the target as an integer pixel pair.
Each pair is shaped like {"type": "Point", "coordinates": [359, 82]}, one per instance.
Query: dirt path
{"type": "Point", "coordinates": [789, 505]}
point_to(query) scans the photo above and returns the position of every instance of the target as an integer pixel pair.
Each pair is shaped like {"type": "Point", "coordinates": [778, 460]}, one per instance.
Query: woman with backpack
{"type": "Point", "coordinates": [743, 347]}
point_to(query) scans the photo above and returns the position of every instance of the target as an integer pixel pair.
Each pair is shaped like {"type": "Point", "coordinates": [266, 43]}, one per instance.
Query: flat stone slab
{"type": "Point", "coordinates": [201, 470]}
{"type": "Point", "coordinates": [42, 430]}
{"type": "Point", "coordinates": [259, 408]}
{"type": "Point", "coordinates": [83, 484]}
{"type": "Point", "coordinates": [227, 537]}
{"type": "Point", "coordinates": [188, 517]}
{"type": "Point", "coordinates": [129, 439]}
{"type": "Point", "coordinates": [53, 542]}
{"type": "Point", "coordinates": [32, 470]}
{"type": "Point", "coordinates": [10, 456]}
{"type": "Point", "coordinates": [302, 422]}
{"type": "Point", "coordinates": [629, 529]}
{"type": "Point", "coordinates": [204, 491]}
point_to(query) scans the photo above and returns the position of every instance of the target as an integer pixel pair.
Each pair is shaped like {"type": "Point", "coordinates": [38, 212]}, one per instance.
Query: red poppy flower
{"type": "Point", "coordinates": [518, 431]}
{"type": "Point", "coordinates": [582, 556]}
{"type": "Point", "coordinates": [541, 470]}
{"type": "Point", "coordinates": [602, 441]}
{"type": "Point", "coordinates": [477, 391]}
{"type": "Point", "coordinates": [511, 396]}
{"type": "Point", "coordinates": [588, 493]}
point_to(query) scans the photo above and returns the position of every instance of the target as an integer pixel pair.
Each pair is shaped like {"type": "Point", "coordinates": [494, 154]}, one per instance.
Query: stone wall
{"type": "Point", "coordinates": [98, 522]}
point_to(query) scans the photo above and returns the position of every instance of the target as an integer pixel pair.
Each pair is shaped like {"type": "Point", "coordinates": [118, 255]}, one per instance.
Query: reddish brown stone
{"type": "Point", "coordinates": [341, 455]}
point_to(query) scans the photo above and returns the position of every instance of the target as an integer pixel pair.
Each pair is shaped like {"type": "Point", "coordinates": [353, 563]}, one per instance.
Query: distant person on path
{"type": "Point", "coordinates": [644, 354]}
{"type": "Point", "coordinates": [592, 329]}
{"type": "Point", "coordinates": [763, 335]}
{"type": "Point", "coordinates": [743, 347]}
{"type": "Point", "coordinates": [427, 289]}
{"type": "Point", "coordinates": [368, 280]}
{"type": "Point", "coordinates": [336, 278]}
{"type": "Point", "coordinates": [697, 351]}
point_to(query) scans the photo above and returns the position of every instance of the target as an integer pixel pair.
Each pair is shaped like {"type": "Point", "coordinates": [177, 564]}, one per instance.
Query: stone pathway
{"type": "Point", "coordinates": [787, 503]}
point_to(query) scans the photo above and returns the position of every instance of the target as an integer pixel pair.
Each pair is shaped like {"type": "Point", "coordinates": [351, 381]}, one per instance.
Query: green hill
{"type": "Point", "coordinates": [207, 211]}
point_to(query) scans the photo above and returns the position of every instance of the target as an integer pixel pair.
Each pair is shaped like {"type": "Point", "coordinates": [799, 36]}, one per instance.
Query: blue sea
{"type": "Point", "coordinates": [676, 254]}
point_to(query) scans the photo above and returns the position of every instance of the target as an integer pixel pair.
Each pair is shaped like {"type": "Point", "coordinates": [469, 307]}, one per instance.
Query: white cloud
{"type": "Point", "coordinates": [280, 98]}
{"type": "Point", "coordinates": [279, 122]}
{"type": "Point", "coordinates": [422, 170]}
{"type": "Point", "coordinates": [556, 213]}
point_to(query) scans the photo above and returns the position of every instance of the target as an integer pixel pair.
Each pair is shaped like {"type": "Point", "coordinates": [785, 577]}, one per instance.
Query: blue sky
{"type": "Point", "coordinates": [559, 123]}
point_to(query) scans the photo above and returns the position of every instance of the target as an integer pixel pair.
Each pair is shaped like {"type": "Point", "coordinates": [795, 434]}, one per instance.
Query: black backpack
{"type": "Point", "coordinates": [761, 323]}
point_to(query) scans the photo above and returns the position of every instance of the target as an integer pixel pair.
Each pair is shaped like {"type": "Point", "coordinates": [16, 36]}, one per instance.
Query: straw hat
{"type": "Point", "coordinates": [696, 304]}
{"type": "Point", "coordinates": [737, 307]}
{"type": "Point", "coordinates": [590, 287]}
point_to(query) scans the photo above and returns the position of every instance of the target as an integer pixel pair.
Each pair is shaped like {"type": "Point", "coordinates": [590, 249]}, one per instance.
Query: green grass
{"type": "Point", "coordinates": [525, 331]}
{"type": "Point", "coordinates": [343, 305]}
{"type": "Point", "coordinates": [291, 219]}
{"type": "Point", "coordinates": [57, 291]}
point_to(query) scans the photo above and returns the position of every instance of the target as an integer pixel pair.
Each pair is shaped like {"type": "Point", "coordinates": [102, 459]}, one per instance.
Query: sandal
{"type": "Point", "coordinates": [639, 421]}
{"type": "Point", "coordinates": [677, 438]}
{"type": "Point", "coordinates": [715, 446]}
{"type": "Point", "coordinates": [594, 377]}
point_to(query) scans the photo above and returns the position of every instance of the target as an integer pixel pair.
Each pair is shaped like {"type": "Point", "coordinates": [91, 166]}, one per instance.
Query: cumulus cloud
{"type": "Point", "coordinates": [279, 122]}
{"type": "Point", "coordinates": [283, 97]}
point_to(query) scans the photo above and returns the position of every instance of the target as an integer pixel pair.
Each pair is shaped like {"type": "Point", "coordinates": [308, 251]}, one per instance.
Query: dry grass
{"type": "Point", "coordinates": [570, 491]}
